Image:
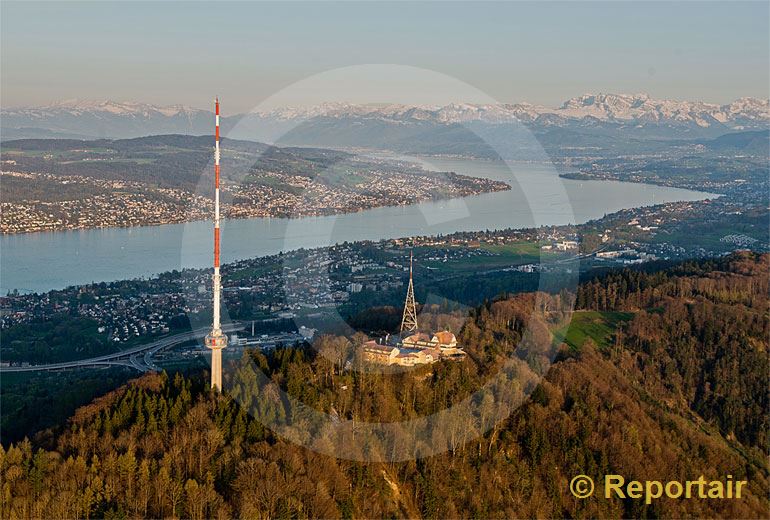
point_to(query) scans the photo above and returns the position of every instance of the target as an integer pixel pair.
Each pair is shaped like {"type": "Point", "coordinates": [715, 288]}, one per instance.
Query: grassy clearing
{"type": "Point", "coordinates": [252, 272]}
{"type": "Point", "coordinates": [507, 255]}
{"type": "Point", "coordinates": [515, 248]}
{"type": "Point", "coordinates": [710, 235]}
{"type": "Point", "coordinates": [600, 326]}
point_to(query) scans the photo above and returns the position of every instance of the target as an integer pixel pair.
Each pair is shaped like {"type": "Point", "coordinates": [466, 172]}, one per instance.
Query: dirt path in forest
{"type": "Point", "coordinates": [406, 506]}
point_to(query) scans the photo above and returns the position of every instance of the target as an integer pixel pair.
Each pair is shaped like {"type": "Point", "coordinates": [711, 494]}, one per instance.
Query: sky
{"type": "Point", "coordinates": [247, 52]}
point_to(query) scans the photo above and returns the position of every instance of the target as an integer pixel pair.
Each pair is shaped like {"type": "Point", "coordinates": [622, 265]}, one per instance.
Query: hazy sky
{"type": "Point", "coordinates": [185, 52]}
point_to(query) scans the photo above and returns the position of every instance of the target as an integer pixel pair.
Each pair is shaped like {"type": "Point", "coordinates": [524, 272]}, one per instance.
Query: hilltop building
{"type": "Point", "coordinates": [384, 354]}
{"type": "Point", "coordinates": [412, 347]}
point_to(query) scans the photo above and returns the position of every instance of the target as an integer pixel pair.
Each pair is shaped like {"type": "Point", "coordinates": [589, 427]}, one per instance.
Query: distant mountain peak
{"type": "Point", "coordinates": [645, 109]}
{"type": "Point", "coordinates": [606, 98]}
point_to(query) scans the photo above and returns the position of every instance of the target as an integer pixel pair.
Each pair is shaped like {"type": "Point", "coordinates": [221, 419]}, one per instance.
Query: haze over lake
{"type": "Point", "coordinates": [539, 197]}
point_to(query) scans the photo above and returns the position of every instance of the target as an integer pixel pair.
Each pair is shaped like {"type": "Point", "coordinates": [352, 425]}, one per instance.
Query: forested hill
{"type": "Point", "coordinates": [660, 376]}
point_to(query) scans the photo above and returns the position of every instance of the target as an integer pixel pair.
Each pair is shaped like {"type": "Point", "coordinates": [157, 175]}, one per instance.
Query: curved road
{"type": "Point", "coordinates": [139, 357]}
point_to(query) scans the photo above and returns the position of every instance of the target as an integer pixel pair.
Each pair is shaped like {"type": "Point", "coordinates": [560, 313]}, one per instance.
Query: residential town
{"type": "Point", "coordinates": [309, 283]}
{"type": "Point", "coordinates": [97, 203]}
{"type": "Point", "coordinates": [274, 194]}
{"type": "Point", "coordinates": [78, 202]}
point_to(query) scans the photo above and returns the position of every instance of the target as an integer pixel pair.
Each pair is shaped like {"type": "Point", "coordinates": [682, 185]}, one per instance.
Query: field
{"type": "Point", "coordinates": [524, 248]}
{"type": "Point", "coordinates": [710, 233]}
{"type": "Point", "coordinates": [250, 273]}
{"type": "Point", "coordinates": [599, 326]}
{"type": "Point", "coordinates": [499, 256]}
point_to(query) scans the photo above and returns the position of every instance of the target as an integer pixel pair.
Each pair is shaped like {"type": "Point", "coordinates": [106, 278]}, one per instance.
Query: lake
{"type": "Point", "coordinates": [54, 260]}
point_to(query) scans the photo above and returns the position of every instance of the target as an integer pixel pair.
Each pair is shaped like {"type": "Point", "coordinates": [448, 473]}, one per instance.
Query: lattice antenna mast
{"type": "Point", "coordinates": [216, 340]}
{"type": "Point", "coordinates": [409, 320]}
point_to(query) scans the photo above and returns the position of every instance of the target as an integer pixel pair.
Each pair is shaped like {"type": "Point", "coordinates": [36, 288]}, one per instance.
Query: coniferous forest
{"type": "Point", "coordinates": [658, 374]}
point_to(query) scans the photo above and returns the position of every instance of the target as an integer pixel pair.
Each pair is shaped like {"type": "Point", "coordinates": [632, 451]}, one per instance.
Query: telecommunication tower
{"type": "Point", "coordinates": [409, 320]}
{"type": "Point", "coordinates": [216, 340]}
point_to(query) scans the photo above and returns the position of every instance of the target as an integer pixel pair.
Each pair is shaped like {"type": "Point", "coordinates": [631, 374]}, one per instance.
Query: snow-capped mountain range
{"type": "Point", "coordinates": [76, 118]}
{"type": "Point", "coordinates": [88, 119]}
{"type": "Point", "coordinates": [603, 107]}
{"type": "Point", "coordinates": [127, 108]}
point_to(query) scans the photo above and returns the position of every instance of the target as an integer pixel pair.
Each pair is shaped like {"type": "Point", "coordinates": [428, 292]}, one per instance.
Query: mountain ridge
{"type": "Point", "coordinates": [637, 115]}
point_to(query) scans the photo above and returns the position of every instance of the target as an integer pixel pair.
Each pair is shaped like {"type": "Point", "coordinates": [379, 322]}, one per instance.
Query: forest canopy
{"type": "Point", "coordinates": [674, 390]}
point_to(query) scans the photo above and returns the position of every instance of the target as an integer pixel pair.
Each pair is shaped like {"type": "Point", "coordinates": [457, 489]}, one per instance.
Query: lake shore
{"type": "Point", "coordinates": [538, 197]}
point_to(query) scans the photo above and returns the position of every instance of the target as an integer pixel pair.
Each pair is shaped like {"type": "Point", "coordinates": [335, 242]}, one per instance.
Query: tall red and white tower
{"type": "Point", "coordinates": [216, 339]}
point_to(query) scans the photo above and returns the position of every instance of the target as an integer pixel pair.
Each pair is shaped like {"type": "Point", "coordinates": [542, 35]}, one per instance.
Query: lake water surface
{"type": "Point", "coordinates": [44, 261]}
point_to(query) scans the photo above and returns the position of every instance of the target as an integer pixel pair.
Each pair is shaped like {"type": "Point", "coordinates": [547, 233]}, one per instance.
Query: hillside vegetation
{"type": "Point", "coordinates": [674, 388]}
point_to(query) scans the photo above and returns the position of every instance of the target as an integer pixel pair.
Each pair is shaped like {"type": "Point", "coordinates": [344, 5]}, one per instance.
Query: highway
{"type": "Point", "coordinates": [139, 358]}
